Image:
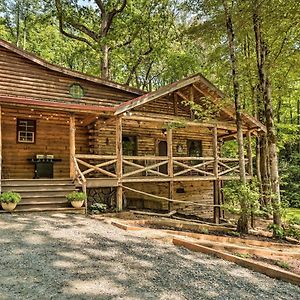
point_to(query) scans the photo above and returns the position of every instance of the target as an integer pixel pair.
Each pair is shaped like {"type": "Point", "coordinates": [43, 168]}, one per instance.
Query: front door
{"type": "Point", "coordinates": [163, 151]}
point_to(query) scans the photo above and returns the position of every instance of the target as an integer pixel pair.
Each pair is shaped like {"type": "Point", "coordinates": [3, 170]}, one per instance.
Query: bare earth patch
{"type": "Point", "coordinates": [62, 256]}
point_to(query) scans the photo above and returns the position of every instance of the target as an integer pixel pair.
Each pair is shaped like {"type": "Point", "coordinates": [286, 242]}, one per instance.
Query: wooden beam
{"type": "Point", "coordinates": [164, 119]}
{"type": "Point", "coordinates": [249, 154]}
{"type": "Point", "coordinates": [119, 167]}
{"type": "Point", "coordinates": [170, 164]}
{"type": "Point", "coordinates": [72, 145]}
{"type": "Point", "coordinates": [0, 149]}
{"type": "Point", "coordinates": [89, 119]}
{"type": "Point", "coordinates": [215, 150]}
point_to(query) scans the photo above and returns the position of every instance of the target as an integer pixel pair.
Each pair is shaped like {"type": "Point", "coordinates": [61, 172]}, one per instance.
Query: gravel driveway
{"type": "Point", "coordinates": [62, 256]}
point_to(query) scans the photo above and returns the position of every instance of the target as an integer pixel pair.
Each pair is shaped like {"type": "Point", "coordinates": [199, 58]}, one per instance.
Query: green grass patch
{"type": "Point", "coordinates": [293, 214]}
{"type": "Point", "coordinates": [283, 265]}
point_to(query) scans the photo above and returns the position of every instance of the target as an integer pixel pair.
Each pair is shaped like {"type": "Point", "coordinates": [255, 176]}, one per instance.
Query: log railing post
{"type": "Point", "coordinates": [216, 183]}
{"type": "Point", "coordinates": [0, 149]}
{"type": "Point", "coordinates": [249, 154]}
{"type": "Point", "coordinates": [170, 165]}
{"type": "Point", "coordinates": [215, 151]}
{"type": "Point", "coordinates": [119, 157]}
{"type": "Point", "coordinates": [72, 145]}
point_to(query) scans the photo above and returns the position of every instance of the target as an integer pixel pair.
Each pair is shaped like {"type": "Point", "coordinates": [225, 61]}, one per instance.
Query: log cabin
{"type": "Point", "coordinates": [61, 130]}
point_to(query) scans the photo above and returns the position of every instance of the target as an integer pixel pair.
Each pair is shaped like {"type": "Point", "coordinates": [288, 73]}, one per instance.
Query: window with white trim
{"type": "Point", "coordinates": [26, 131]}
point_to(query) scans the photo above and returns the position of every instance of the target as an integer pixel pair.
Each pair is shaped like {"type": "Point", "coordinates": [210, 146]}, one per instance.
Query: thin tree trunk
{"type": "Point", "coordinates": [243, 220]}
{"type": "Point", "coordinates": [104, 65]}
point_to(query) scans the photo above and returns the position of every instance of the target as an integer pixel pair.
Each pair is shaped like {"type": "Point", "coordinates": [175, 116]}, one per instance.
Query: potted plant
{"type": "Point", "coordinates": [76, 199]}
{"type": "Point", "coordinates": [9, 200]}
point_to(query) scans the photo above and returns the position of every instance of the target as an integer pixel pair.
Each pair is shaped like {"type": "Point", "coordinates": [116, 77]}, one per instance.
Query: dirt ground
{"type": "Point", "coordinates": [65, 256]}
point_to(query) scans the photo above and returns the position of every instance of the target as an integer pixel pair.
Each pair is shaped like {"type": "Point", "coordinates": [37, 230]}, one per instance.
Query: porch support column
{"type": "Point", "coordinates": [0, 149]}
{"type": "Point", "coordinates": [119, 157]}
{"type": "Point", "coordinates": [216, 182]}
{"type": "Point", "coordinates": [72, 145]}
{"type": "Point", "coordinates": [170, 165]}
{"type": "Point", "coordinates": [249, 154]}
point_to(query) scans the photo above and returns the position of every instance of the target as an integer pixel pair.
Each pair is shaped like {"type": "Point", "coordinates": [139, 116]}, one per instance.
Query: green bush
{"type": "Point", "coordinates": [10, 197]}
{"type": "Point", "coordinates": [97, 208]}
{"type": "Point", "coordinates": [235, 191]}
{"type": "Point", "coordinates": [76, 196]}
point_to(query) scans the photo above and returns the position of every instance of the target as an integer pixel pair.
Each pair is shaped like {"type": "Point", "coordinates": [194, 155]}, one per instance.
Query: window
{"type": "Point", "coordinates": [26, 131]}
{"type": "Point", "coordinates": [76, 91]}
{"type": "Point", "coordinates": [129, 144]}
{"type": "Point", "coordinates": [194, 149]}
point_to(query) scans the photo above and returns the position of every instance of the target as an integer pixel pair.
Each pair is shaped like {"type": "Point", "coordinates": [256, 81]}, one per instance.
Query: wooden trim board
{"type": "Point", "coordinates": [255, 266]}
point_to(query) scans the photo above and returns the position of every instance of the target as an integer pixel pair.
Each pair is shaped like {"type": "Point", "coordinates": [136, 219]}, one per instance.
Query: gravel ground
{"type": "Point", "coordinates": [72, 257]}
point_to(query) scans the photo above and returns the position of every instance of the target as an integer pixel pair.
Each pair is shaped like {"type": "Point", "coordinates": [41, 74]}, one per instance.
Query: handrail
{"type": "Point", "coordinates": [83, 183]}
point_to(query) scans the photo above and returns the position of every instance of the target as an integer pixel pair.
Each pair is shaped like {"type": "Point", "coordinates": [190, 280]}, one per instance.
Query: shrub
{"type": "Point", "coordinates": [97, 208]}
{"type": "Point", "coordinates": [10, 197]}
{"type": "Point", "coordinates": [76, 196]}
{"type": "Point", "coordinates": [234, 192]}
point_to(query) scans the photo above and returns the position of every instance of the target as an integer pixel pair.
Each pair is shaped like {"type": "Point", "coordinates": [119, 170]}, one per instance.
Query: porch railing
{"type": "Point", "coordinates": [104, 166]}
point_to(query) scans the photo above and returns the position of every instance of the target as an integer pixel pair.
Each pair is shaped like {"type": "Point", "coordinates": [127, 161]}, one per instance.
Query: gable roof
{"type": "Point", "coordinates": [214, 93]}
{"type": "Point", "coordinates": [68, 72]}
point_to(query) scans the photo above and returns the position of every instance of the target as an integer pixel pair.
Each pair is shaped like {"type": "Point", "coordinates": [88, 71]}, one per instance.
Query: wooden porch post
{"type": "Point", "coordinates": [249, 154]}
{"type": "Point", "coordinates": [216, 183]}
{"type": "Point", "coordinates": [119, 157]}
{"type": "Point", "coordinates": [72, 146]}
{"type": "Point", "coordinates": [170, 165]}
{"type": "Point", "coordinates": [0, 149]}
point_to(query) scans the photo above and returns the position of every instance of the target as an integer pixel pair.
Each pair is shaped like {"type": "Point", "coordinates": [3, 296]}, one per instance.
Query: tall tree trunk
{"type": "Point", "coordinates": [265, 91]}
{"type": "Point", "coordinates": [243, 220]}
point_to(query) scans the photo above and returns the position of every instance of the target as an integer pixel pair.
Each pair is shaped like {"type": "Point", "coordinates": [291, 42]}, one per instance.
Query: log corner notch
{"type": "Point", "coordinates": [119, 169]}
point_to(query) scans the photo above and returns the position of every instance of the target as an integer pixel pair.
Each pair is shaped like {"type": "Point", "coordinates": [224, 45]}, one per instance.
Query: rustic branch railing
{"type": "Point", "coordinates": [151, 166]}
{"type": "Point", "coordinates": [195, 165]}
{"type": "Point", "coordinates": [107, 161]}
{"type": "Point", "coordinates": [147, 165]}
{"type": "Point", "coordinates": [79, 176]}
{"type": "Point", "coordinates": [229, 165]}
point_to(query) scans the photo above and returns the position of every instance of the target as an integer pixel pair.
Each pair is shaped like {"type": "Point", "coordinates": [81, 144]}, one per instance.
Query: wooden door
{"type": "Point", "coordinates": [163, 151]}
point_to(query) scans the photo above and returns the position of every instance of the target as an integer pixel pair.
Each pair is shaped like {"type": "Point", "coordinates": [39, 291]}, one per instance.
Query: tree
{"type": "Point", "coordinates": [91, 26]}
{"type": "Point", "coordinates": [243, 220]}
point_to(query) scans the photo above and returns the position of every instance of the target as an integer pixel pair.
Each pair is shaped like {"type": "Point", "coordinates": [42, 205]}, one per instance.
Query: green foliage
{"type": "Point", "coordinates": [174, 125]}
{"type": "Point", "coordinates": [10, 197]}
{"type": "Point", "coordinates": [204, 111]}
{"type": "Point", "coordinates": [76, 196]}
{"type": "Point", "coordinates": [278, 231]}
{"type": "Point", "coordinates": [97, 208]}
{"type": "Point", "coordinates": [243, 255]}
{"type": "Point", "coordinates": [290, 179]}
{"type": "Point", "coordinates": [283, 264]}
{"type": "Point", "coordinates": [235, 192]}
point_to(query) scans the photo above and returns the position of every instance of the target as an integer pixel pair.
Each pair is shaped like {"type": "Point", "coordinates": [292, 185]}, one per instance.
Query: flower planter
{"type": "Point", "coordinates": [8, 206]}
{"type": "Point", "coordinates": [77, 204]}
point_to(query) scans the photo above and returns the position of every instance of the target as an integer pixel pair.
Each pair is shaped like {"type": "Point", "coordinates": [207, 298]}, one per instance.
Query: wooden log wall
{"type": "Point", "coordinates": [20, 76]}
{"type": "Point", "coordinates": [197, 191]}
{"type": "Point", "coordinates": [52, 137]}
